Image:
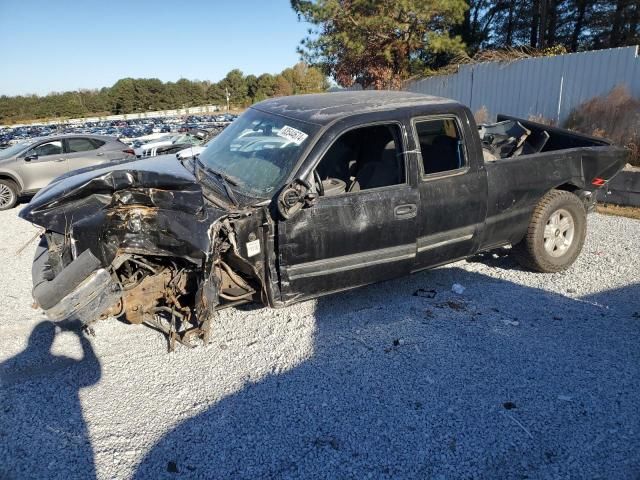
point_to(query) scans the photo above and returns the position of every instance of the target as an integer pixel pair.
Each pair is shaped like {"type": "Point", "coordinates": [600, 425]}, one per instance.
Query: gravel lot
{"type": "Point", "coordinates": [521, 376]}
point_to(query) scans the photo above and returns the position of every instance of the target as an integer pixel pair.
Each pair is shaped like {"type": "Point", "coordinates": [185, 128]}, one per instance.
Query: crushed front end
{"type": "Point", "coordinates": [140, 241]}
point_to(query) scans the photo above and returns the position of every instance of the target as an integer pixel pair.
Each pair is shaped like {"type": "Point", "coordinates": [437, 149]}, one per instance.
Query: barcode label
{"type": "Point", "coordinates": [292, 134]}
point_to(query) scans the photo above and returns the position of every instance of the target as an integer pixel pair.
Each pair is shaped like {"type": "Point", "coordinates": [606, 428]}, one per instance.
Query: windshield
{"type": "Point", "coordinates": [14, 150]}
{"type": "Point", "coordinates": [185, 139]}
{"type": "Point", "coordinates": [258, 150]}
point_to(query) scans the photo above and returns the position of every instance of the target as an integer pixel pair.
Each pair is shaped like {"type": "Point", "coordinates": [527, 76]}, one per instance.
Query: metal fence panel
{"type": "Point", "coordinates": [542, 86]}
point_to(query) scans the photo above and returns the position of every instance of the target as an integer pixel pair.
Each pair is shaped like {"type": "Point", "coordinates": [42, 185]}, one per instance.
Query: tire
{"type": "Point", "coordinates": [8, 194]}
{"type": "Point", "coordinates": [555, 235]}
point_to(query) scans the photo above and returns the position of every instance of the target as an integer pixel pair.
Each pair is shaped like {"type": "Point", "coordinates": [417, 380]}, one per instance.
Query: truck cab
{"type": "Point", "coordinates": [384, 182]}
{"type": "Point", "coordinates": [401, 184]}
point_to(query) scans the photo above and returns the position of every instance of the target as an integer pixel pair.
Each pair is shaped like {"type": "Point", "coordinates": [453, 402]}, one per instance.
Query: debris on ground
{"type": "Point", "coordinates": [421, 292]}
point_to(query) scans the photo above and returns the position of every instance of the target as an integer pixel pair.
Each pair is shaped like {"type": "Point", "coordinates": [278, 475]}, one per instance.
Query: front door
{"type": "Point", "coordinates": [43, 163]}
{"type": "Point", "coordinates": [362, 228]}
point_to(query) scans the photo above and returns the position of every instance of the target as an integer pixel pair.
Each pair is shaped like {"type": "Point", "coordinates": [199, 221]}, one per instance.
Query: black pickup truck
{"type": "Point", "coordinates": [308, 195]}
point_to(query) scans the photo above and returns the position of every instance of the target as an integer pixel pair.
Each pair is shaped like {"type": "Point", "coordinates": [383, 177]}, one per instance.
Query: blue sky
{"type": "Point", "coordinates": [57, 45]}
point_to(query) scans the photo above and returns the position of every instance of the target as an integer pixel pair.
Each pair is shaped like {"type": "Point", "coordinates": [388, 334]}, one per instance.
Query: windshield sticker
{"type": "Point", "coordinates": [292, 134]}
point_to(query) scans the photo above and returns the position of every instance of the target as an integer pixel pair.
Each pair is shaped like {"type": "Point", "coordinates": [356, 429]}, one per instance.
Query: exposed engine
{"type": "Point", "coordinates": [158, 293]}
{"type": "Point", "coordinates": [172, 295]}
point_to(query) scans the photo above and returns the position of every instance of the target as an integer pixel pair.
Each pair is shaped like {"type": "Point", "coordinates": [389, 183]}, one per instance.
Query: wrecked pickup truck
{"type": "Point", "coordinates": [308, 195]}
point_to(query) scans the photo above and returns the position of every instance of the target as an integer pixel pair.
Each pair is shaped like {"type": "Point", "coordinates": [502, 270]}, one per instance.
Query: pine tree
{"type": "Point", "coordinates": [379, 43]}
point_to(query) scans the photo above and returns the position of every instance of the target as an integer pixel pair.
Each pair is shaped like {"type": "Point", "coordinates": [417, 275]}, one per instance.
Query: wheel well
{"type": "Point", "coordinates": [568, 187]}
{"type": "Point", "coordinates": [587, 197]}
{"type": "Point", "coordinates": [4, 176]}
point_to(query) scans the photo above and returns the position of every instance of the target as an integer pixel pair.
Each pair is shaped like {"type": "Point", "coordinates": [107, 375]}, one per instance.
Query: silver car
{"type": "Point", "coordinates": [28, 166]}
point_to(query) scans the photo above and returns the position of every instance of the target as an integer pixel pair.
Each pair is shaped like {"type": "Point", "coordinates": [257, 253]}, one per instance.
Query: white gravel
{"type": "Point", "coordinates": [521, 376]}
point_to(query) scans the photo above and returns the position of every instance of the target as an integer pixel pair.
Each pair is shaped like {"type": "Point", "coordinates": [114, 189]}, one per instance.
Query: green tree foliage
{"type": "Point", "coordinates": [304, 79]}
{"type": "Point", "coordinates": [252, 85]}
{"type": "Point", "coordinates": [379, 43]}
{"type": "Point", "coordinates": [133, 95]}
{"type": "Point", "coordinates": [573, 24]}
{"type": "Point", "coordinates": [235, 85]}
{"type": "Point", "coordinates": [265, 87]}
{"type": "Point", "coordinates": [122, 96]}
{"type": "Point", "coordinates": [282, 86]}
{"type": "Point", "coordinates": [183, 93]}
{"type": "Point", "coordinates": [67, 104]}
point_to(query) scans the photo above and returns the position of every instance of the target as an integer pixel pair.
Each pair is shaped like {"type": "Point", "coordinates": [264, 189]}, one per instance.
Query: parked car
{"type": "Point", "coordinates": [148, 149]}
{"type": "Point", "coordinates": [308, 195]}
{"type": "Point", "coordinates": [192, 151]}
{"type": "Point", "coordinates": [28, 166]}
{"type": "Point", "coordinates": [194, 138]}
{"type": "Point", "coordinates": [195, 150]}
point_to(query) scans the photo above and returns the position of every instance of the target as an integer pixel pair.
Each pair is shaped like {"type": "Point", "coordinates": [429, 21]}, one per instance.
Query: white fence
{"type": "Point", "coordinates": [547, 86]}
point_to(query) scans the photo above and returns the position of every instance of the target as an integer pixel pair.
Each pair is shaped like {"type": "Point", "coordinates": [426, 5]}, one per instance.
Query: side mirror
{"type": "Point", "coordinates": [293, 197]}
{"type": "Point", "coordinates": [32, 156]}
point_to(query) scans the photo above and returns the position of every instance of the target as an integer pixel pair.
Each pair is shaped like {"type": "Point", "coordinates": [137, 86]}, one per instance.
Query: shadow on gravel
{"type": "Point", "coordinates": [42, 431]}
{"type": "Point", "coordinates": [499, 258]}
{"type": "Point", "coordinates": [504, 381]}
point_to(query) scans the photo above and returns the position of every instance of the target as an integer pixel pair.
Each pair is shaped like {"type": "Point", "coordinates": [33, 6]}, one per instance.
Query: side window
{"type": "Point", "coordinates": [80, 145]}
{"type": "Point", "coordinates": [49, 148]}
{"type": "Point", "coordinates": [362, 159]}
{"type": "Point", "coordinates": [440, 145]}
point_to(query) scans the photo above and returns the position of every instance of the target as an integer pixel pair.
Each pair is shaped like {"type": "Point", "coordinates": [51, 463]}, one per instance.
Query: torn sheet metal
{"type": "Point", "coordinates": [157, 241]}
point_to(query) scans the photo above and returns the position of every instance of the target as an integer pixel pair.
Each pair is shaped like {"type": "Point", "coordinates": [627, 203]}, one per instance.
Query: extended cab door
{"type": "Point", "coordinates": [362, 227]}
{"type": "Point", "coordinates": [453, 188]}
{"type": "Point", "coordinates": [41, 164]}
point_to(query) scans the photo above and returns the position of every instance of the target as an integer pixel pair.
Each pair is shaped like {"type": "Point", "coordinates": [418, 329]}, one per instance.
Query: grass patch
{"type": "Point", "coordinates": [619, 211]}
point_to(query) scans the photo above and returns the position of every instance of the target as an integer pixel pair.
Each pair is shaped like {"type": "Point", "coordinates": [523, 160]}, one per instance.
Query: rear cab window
{"type": "Point", "coordinates": [441, 146]}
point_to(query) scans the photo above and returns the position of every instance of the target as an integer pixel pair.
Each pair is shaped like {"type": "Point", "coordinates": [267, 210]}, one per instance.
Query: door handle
{"type": "Point", "coordinates": [99, 154]}
{"type": "Point", "coordinates": [60, 159]}
{"type": "Point", "coordinates": [408, 210]}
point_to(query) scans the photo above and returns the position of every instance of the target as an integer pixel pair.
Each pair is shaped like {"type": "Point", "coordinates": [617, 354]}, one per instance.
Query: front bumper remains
{"type": "Point", "coordinates": [81, 291]}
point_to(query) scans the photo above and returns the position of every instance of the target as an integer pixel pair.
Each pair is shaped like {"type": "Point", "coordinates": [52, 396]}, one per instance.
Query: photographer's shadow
{"type": "Point", "coordinates": [42, 430]}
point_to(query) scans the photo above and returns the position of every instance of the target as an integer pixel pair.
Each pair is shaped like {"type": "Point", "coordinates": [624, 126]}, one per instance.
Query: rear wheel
{"type": "Point", "coordinates": [8, 194]}
{"type": "Point", "coordinates": [555, 235]}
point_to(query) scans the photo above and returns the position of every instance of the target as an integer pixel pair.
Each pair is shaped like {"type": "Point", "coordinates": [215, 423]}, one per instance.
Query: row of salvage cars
{"type": "Point", "coordinates": [304, 196]}
{"type": "Point", "coordinates": [29, 165]}
{"type": "Point", "coordinates": [182, 143]}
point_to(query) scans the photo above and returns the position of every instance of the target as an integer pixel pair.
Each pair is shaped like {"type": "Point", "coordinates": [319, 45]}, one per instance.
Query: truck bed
{"type": "Point", "coordinates": [559, 138]}
{"type": "Point", "coordinates": [515, 137]}
{"type": "Point", "coordinates": [567, 161]}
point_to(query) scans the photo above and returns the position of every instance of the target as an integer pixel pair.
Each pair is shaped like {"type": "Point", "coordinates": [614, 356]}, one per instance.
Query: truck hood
{"type": "Point", "coordinates": [152, 206]}
{"type": "Point", "coordinates": [164, 180]}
